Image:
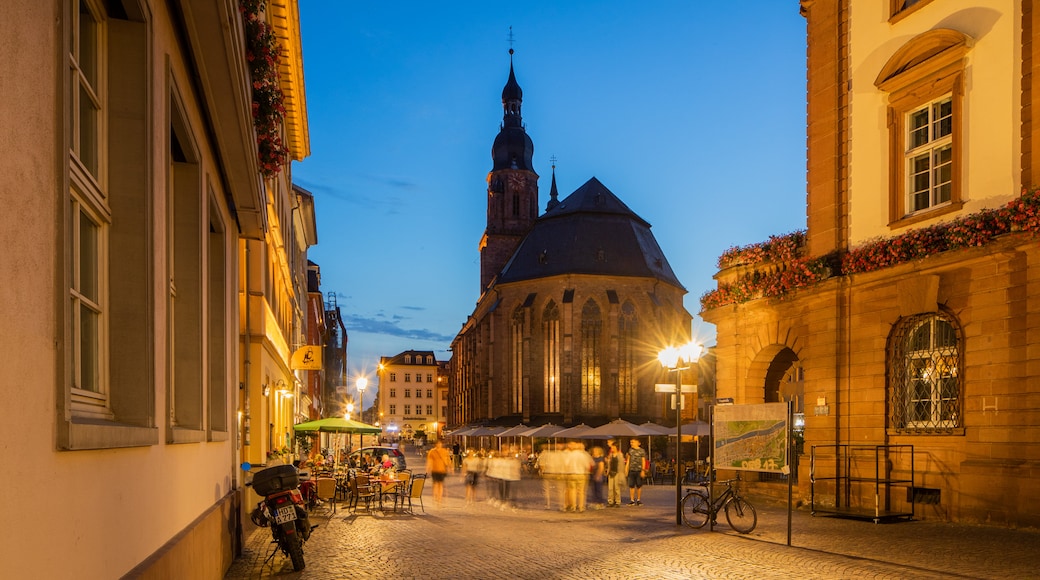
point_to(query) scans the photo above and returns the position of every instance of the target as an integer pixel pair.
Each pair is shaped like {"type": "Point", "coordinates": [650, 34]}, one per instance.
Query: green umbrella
{"type": "Point", "coordinates": [337, 425]}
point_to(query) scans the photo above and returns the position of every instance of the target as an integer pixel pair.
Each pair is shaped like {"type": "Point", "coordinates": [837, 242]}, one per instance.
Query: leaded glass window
{"type": "Point", "coordinates": [925, 366]}
{"type": "Point", "coordinates": [591, 327]}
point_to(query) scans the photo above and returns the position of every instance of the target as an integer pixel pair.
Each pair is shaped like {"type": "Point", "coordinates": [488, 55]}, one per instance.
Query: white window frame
{"type": "Point", "coordinates": [931, 160]}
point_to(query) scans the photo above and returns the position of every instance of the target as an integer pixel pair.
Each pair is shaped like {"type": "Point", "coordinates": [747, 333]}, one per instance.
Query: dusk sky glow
{"type": "Point", "coordinates": [692, 113]}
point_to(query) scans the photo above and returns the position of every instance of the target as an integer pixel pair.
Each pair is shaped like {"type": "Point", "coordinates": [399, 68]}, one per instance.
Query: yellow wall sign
{"type": "Point", "coordinates": [306, 358]}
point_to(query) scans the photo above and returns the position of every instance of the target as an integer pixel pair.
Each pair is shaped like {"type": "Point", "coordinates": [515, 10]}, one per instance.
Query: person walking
{"type": "Point", "coordinates": [614, 467]}
{"type": "Point", "coordinates": [437, 463]}
{"type": "Point", "coordinates": [597, 477]}
{"type": "Point", "coordinates": [635, 466]}
{"type": "Point", "coordinates": [473, 466]}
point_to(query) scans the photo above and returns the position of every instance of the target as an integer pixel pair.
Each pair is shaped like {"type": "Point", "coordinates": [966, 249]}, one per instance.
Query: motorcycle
{"type": "Point", "coordinates": [282, 509]}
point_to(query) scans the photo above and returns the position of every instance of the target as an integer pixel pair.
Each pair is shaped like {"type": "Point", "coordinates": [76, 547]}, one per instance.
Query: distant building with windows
{"type": "Point", "coordinates": [574, 304]}
{"type": "Point", "coordinates": [408, 400]}
{"type": "Point", "coordinates": [905, 320]}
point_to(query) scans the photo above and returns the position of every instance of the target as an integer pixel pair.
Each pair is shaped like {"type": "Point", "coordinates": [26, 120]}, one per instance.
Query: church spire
{"type": "Point", "coordinates": [554, 196]}
{"type": "Point", "coordinates": [512, 98]}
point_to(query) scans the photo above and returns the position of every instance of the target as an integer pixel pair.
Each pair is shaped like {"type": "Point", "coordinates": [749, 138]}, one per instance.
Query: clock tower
{"type": "Point", "coordinates": [512, 192]}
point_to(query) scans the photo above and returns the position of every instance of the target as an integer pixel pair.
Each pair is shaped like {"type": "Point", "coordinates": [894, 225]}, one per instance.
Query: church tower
{"type": "Point", "coordinates": [512, 193]}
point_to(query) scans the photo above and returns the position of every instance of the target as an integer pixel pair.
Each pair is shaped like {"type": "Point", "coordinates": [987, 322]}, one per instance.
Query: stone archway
{"type": "Point", "coordinates": [776, 375]}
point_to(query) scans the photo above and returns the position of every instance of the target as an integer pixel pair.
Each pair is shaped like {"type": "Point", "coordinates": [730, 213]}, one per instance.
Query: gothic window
{"type": "Point", "coordinates": [591, 327]}
{"type": "Point", "coordinates": [628, 331]}
{"type": "Point", "coordinates": [925, 369]}
{"type": "Point", "coordinates": [551, 342]}
{"type": "Point", "coordinates": [516, 355]}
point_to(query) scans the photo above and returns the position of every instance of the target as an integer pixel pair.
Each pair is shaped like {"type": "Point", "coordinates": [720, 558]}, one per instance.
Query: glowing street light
{"type": "Point", "coordinates": [361, 384]}
{"type": "Point", "coordinates": [678, 359]}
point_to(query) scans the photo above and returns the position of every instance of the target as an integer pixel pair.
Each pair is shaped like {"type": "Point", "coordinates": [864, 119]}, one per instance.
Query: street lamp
{"type": "Point", "coordinates": [678, 359]}
{"type": "Point", "coordinates": [362, 384]}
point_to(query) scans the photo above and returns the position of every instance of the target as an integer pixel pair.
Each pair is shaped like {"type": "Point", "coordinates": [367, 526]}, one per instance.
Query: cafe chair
{"type": "Point", "coordinates": [415, 490]}
{"type": "Point", "coordinates": [327, 491]}
{"type": "Point", "coordinates": [363, 490]}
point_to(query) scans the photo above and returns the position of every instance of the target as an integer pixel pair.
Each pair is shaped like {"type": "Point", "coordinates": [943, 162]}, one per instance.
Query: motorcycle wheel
{"type": "Point", "coordinates": [295, 549]}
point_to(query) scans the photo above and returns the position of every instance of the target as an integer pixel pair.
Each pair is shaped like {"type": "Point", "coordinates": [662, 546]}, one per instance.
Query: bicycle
{"type": "Point", "coordinates": [740, 514]}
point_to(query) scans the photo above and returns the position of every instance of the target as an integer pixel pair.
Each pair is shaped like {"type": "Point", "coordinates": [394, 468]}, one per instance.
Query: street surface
{"type": "Point", "coordinates": [481, 540]}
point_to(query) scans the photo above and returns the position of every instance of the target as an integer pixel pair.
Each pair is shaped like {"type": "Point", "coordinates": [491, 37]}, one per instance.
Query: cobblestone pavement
{"type": "Point", "coordinates": [480, 540]}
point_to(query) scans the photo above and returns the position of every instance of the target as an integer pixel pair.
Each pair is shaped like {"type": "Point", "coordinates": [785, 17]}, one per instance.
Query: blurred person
{"type": "Point", "coordinates": [597, 477]}
{"type": "Point", "coordinates": [635, 467]}
{"type": "Point", "coordinates": [473, 466]}
{"type": "Point", "coordinates": [577, 465]}
{"type": "Point", "coordinates": [437, 463]}
{"type": "Point", "coordinates": [615, 471]}
{"type": "Point", "coordinates": [550, 468]}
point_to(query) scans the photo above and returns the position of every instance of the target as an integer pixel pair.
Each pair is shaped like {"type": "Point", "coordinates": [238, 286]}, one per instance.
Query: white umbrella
{"type": "Point", "coordinates": [575, 432]}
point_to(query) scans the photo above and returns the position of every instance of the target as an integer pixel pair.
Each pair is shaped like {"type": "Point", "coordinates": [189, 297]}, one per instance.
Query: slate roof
{"type": "Point", "coordinates": [589, 232]}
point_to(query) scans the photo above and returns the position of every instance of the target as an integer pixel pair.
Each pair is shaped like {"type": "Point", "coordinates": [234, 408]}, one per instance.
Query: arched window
{"type": "Point", "coordinates": [516, 355]}
{"type": "Point", "coordinates": [551, 342]}
{"type": "Point", "coordinates": [628, 330]}
{"type": "Point", "coordinates": [591, 327]}
{"type": "Point", "coordinates": [925, 374]}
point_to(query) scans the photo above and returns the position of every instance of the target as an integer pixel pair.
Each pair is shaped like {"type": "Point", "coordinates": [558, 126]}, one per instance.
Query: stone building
{"type": "Point", "coordinates": [409, 398]}
{"type": "Point", "coordinates": [574, 304]}
{"type": "Point", "coordinates": [905, 320]}
{"type": "Point", "coordinates": [140, 228]}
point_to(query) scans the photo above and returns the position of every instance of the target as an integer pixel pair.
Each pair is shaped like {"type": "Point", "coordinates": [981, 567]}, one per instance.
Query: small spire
{"type": "Point", "coordinates": [553, 194]}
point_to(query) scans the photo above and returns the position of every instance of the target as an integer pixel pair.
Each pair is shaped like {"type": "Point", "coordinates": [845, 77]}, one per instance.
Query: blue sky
{"type": "Point", "coordinates": [693, 113]}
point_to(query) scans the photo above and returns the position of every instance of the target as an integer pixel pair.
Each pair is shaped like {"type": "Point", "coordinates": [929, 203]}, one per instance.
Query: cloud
{"type": "Point", "coordinates": [379, 325]}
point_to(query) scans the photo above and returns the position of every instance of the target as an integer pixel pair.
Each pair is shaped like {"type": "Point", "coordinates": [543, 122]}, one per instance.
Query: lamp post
{"type": "Point", "coordinates": [678, 359]}
{"type": "Point", "coordinates": [362, 384]}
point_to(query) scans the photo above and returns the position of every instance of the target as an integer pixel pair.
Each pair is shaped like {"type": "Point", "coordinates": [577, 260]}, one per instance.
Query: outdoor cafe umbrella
{"type": "Point", "coordinates": [575, 432]}
{"type": "Point", "coordinates": [337, 425]}
{"type": "Point", "coordinates": [617, 428]}
{"type": "Point", "coordinates": [485, 432]}
{"type": "Point", "coordinates": [696, 428]}
{"type": "Point", "coordinates": [547, 430]}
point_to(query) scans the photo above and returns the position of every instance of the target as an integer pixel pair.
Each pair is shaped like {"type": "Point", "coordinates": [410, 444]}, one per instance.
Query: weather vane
{"type": "Point", "coordinates": [511, 39]}
{"type": "Point", "coordinates": [553, 161]}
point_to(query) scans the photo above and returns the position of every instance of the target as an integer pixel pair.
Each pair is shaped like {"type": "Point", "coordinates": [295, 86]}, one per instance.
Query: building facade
{"type": "Point", "coordinates": [906, 318]}
{"type": "Point", "coordinates": [574, 304]}
{"type": "Point", "coordinates": [409, 398]}
{"type": "Point", "coordinates": [133, 186]}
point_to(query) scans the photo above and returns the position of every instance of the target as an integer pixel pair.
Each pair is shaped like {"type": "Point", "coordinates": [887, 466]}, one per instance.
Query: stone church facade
{"type": "Point", "coordinates": [574, 303]}
{"type": "Point", "coordinates": [905, 320]}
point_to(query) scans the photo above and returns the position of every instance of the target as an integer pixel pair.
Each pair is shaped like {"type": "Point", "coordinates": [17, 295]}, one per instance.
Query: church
{"type": "Point", "coordinates": [574, 303]}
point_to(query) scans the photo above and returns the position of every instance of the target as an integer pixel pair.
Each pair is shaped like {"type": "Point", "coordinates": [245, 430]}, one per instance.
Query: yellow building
{"type": "Point", "coordinates": [410, 398]}
{"type": "Point", "coordinates": [135, 171]}
{"type": "Point", "coordinates": [905, 320]}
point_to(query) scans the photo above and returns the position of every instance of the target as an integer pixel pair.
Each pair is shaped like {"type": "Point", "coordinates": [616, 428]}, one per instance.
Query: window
{"type": "Point", "coordinates": [418, 393]}
{"type": "Point", "coordinates": [393, 377]}
{"type": "Point", "coordinates": [407, 378]}
{"type": "Point", "coordinates": [591, 326]}
{"type": "Point", "coordinates": [429, 359]}
{"type": "Point", "coordinates": [429, 377]}
{"type": "Point", "coordinates": [628, 332]}
{"type": "Point", "coordinates": [429, 409]}
{"type": "Point", "coordinates": [393, 393]}
{"type": "Point", "coordinates": [925, 369]}
{"type": "Point", "coordinates": [107, 397]}
{"type": "Point", "coordinates": [408, 393]}
{"type": "Point", "coordinates": [924, 82]}
{"type": "Point", "coordinates": [551, 354]}
{"type": "Point", "coordinates": [393, 409]}
{"type": "Point", "coordinates": [900, 8]}
{"type": "Point", "coordinates": [407, 359]}
{"type": "Point", "coordinates": [429, 393]}
{"type": "Point", "coordinates": [418, 377]}
{"type": "Point", "coordinates": [407, 409]}
{"type": "Point", "coordinates": [929, 158]}
{"type": "Point", "coordinates": [516, 388]}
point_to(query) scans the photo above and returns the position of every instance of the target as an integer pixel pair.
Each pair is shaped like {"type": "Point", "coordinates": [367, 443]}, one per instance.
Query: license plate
{"type": "Point", "coordinates": [286, 513]}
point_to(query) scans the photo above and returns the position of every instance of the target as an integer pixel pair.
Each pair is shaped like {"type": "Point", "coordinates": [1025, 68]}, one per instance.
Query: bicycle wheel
{"type": "Point", "coordinates": [695, 509]}
{"type": "Point", "coordinates": [741, 515]}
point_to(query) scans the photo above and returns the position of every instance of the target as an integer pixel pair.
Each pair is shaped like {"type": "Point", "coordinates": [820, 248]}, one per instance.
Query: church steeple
{"type": "Point", "coordinates": [554, 196]}
{"type": "Point", "coordinates": [512, 194]}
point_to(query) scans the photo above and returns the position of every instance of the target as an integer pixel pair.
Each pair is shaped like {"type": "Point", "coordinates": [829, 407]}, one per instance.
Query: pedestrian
{"type": "Point", "coordinates": [597, 477]}
{"type": "Point", "coordinates": [615, 464]}
{"type": "Point", "coordinates": [437, 464]}
{"type": "Point", "coordinates": [472, 465]}
{"type": "Point", "coordinates": [577, 465]}
{"type": "Point", "coordinates": [456, 456]}
{"type": "Point", "coordinates": [635, 466]}
{"type": "Point", "coordinates": [550, 468]}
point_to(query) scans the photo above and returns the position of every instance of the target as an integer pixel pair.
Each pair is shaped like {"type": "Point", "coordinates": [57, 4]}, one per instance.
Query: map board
{"type": "Point", "coordinates": [751, 437]}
